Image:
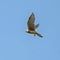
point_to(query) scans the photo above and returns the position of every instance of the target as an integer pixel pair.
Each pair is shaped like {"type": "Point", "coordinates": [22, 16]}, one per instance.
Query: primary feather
{"type": "Point", "coordinates": [31, 21]}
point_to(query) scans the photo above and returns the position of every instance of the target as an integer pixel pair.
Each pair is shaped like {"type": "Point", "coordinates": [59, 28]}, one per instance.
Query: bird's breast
{"type": "Point", "coordinates": [32, 32]}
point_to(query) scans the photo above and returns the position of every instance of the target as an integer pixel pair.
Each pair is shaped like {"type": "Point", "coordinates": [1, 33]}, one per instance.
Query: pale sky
{"type": "Point", "coordinates": [15, 43]}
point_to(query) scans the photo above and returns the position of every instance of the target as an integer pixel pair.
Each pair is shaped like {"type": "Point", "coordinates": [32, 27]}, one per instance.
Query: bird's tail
{"type": "Point", "coordinates": [39, 35]}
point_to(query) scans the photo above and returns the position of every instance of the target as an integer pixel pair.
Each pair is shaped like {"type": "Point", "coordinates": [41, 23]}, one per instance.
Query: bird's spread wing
{"type": "Point", "coordinates": [31, 22]}
{"type": "Point", "coordinates": [36, 26]}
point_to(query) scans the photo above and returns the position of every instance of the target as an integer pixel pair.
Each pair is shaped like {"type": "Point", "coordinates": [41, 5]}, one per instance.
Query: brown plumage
{"type": "Point", "coordinates": [32, 27]}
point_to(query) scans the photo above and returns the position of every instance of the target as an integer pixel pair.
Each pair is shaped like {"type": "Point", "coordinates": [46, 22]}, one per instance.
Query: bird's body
{"type": "Point", "coordinates": [31, 27]}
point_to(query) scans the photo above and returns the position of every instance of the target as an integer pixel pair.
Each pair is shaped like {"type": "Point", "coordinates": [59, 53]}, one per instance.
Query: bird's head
{"type": "Point", "coordinates": [27, 30]}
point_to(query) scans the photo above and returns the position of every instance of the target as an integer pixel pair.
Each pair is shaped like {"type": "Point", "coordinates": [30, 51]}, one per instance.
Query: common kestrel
{"type": "Point", "coordinates": [32, 27]}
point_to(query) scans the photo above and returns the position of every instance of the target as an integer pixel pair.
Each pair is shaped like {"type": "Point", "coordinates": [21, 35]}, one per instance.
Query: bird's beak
{"type": "Point", "coordinates": [26, 31]}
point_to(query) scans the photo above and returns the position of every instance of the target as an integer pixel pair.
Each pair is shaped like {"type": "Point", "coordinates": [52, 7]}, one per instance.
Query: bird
{"type": "Point", "coordinates": [32, 27]}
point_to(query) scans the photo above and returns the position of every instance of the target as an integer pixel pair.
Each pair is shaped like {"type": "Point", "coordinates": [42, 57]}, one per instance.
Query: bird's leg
{"type": "Point", "coordinates": [34, 34]}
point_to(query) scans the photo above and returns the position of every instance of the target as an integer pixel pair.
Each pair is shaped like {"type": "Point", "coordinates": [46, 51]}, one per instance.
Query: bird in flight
{"type": "Point", "coordinates": [32, 27]}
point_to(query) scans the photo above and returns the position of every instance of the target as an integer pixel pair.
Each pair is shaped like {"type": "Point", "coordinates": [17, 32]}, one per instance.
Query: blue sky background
{"type": "Point", "coordinates": [16, 44]}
